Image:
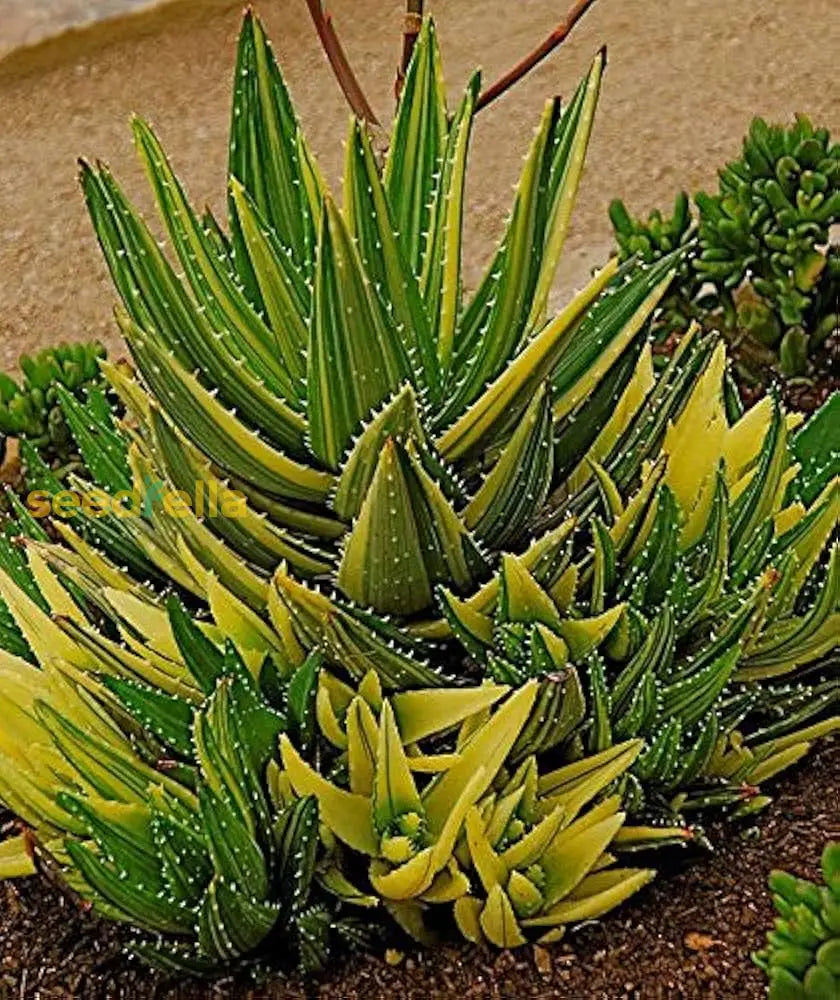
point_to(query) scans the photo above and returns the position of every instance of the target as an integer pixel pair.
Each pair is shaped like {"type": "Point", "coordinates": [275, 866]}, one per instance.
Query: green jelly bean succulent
{"type": "Point", "coordinates": [802, 957]}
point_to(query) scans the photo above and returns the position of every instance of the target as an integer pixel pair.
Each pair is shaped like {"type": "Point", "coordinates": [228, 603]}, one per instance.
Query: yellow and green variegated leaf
{"type": "Point", "coordinates": [355, 357]}
{"type": "Point", "coordinates": [155, 300]}
{"type": "Point", "coordinates": [265, 144]}
{"type": "Point", "coordinates": [45, 637]}
{"type": "Point", "coordinates": [795, 640]}
{"type": "Point", "coordinates": [521, 598]}
{"type": "Point", "coordinates": [252, 636]}
{"type": "Point", "coordinates": [415, 877]}
{"type": "Point", "coordinates": [370, 221]}
{"type": "Point", "coordinates": [352, 640]}
{"type": "Point", "coordinates": [413, 164]}
{"type": "Point", "coordinates": [225, 305]}
{"type": "Point", "coordinates": [435, 710]}
{"type": "Point", "coordinates": [604, 335]}
{"type": "Point", "coordinates": [60, 602]}
{"type": "Point", "coordinates": [809, 536]}
{"type": "Point", "coordinates": [630, 531]}
{"type": "Point", "coordinates": [525, 897]}
{"type": "Point", "coordinates": [743, 439]}
{"type": "Point", "coordinates": [487, 748]}
{"type": "Point", "coordinates": [573, 785]}
{"type": "Point", "coordinates": [394, 790]}
{"type": "Point", "coordinates": [492, 324]}
{"type": "Point", "coordinates": [596, 895]}
{"type": "Point", "coordinates": [569, 142]}
{"type": "Point", "coordinates": [407, 538]}
{"type": "Point", "coordinates": [499, 921]}
{"type": "Point", "coordinates": [250, 534]}
{"type": "Point", "coordinates": [347, 815]}
{"type": "Point", "coordinates": [583, 635]}
{"type": "Point", "coordinates": [467, 912]}
{"type": "Point", "coordinates": [490, 867]}
{"type": "Point", "coordinates": [398, 419]}
{"type": "Point", "coordinates": [546, 559]}
{"type": "Point", "coordinates": [383, 563]}
{"type": "Point", "coordinates": [694, 446]}
{"type": "Point", "coordinates": [503, 402]}
{"type": "Point", "coordinates": [759, 501]}
{"type": "Point", "coordinates": [621, 414]}
{"type": "Point", "coordinates": [571, 855]}
{"type": "Point", "coordinates": [511, 300]}
{"type": "Point", "coordinates": [517, 485]}
{"type": "Point", "coordinates": [16, 857]}
{"type": "Point", "coordinates": [282, 288]}
{"type": "Point", "coordinates": [471, 628]}
{"type": "Point", "coordinates": [114, 770]}
{"type": "Point", "coordinates": [362, 739]}
{"type": "Point", "coordinates": [217, 431]}
{"type": "Point", "coordinates": [440, 281]}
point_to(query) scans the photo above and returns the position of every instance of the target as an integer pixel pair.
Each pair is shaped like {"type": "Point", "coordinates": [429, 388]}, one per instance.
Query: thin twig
{"type": "Point", "coordinates": [547, 46]}
{"type": "Point", "coordinates": [338, 60]}
{"type": "Point", "coordinates": [413, 24]}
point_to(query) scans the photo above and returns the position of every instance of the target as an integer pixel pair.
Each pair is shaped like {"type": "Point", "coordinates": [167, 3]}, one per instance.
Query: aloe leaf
{"type": "Point", "coordinates": [227, 309]}
{"type": "Point", "coordinates": [217, 431]}
{"type": "Point", "coordinates": [296, 836]}
{"type": "Point", "coordinates": [370, 221]}
{"type": "Point", "coordinates": [441, 277]}
{"type": "Point", "coordinates": [414, 157]}
{"type": "Point", "coordinates": [252, 536]}
{"type": "Point", "coordinates": [155, 300]}
{"type": "Point", "coordinates": [517, 485]}
{"type": "Point", "coordinates": [407, 538]}
{"type": "Point", "coordinates": [265, 151]}
{"type": "Point", "coordinates": [349, 335]}
{"type": "Point", "coordinates": [503, 402]}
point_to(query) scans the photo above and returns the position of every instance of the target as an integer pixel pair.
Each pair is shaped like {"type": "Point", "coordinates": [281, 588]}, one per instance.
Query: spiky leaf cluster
{"type": "Point", "coordinates": [802, 957]}
{"type": "Point", "coordinates": [701, 601]}
{"type": "Point", "coordinates": [150, 784]}
{"type": "Point", "coordinates": [31, 409]}
{"type": "Point", "coordinates": [389, 431]}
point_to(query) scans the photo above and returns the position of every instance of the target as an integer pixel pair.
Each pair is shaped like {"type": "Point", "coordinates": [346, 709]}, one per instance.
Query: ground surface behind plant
{"type": "Point", "coordinates": [688, 936]}
{"type": "Point", "coordinates": [685, 77]}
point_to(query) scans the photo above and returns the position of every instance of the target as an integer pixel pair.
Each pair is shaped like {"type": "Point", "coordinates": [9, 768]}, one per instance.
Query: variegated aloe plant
{"type": "Point", "coordinates": [390, 431]}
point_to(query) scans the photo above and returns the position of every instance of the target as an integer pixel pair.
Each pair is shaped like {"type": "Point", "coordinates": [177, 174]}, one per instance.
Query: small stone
{"type": "Point", "coordinates": [542, 960]}
{"type": "Point", "coordinates": [697, 941]}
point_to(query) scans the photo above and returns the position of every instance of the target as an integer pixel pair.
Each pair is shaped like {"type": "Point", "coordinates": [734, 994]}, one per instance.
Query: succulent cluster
{"type": "Point", "coordinates": [31, 410]}
{"type": "Point", "coordinates": [498, 602]}
{"type": "Point", "coordinates": [802, 957]}
{"type": "Point", "coordinates": [762, 267]}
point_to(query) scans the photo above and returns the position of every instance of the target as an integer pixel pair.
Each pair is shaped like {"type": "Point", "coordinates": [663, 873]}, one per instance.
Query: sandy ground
{"type": "Point", "coordinates": [685, 77]}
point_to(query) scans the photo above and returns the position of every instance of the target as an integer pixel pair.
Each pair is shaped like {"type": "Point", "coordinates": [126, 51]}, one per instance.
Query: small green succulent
{"type": "Point", "coordinates": [31, 409]}
{"type": "Point", "coordinates": [762, 268]}
{"type": "Point", "coordinates": [802, 957]}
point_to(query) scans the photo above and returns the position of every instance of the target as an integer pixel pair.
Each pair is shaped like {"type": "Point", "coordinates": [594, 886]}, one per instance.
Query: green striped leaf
{"type": "Point", "coordinates": [369, 221]}
{"type": "Point", "coordinates": [517, 485]}
{"type": "Point", "coordinates": [355, 358]}
{"type": "Point", "coordinates": [413, 165]}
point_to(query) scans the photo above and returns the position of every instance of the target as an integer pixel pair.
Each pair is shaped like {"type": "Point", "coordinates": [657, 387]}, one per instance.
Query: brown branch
{"type": "Point", "coordinates": [547, 46]}
{"type": "Point", "coordinates": [413, 24]}
{"type": "Point", "coordinates": [338, 60]}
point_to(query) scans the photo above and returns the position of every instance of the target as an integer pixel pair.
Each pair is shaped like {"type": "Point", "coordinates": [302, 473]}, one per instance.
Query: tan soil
{"type": "Point", "coordinates": [685, 77]}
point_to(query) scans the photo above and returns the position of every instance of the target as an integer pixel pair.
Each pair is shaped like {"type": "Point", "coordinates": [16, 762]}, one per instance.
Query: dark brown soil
{"type": "Point", "coordinates": [688, 936]}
